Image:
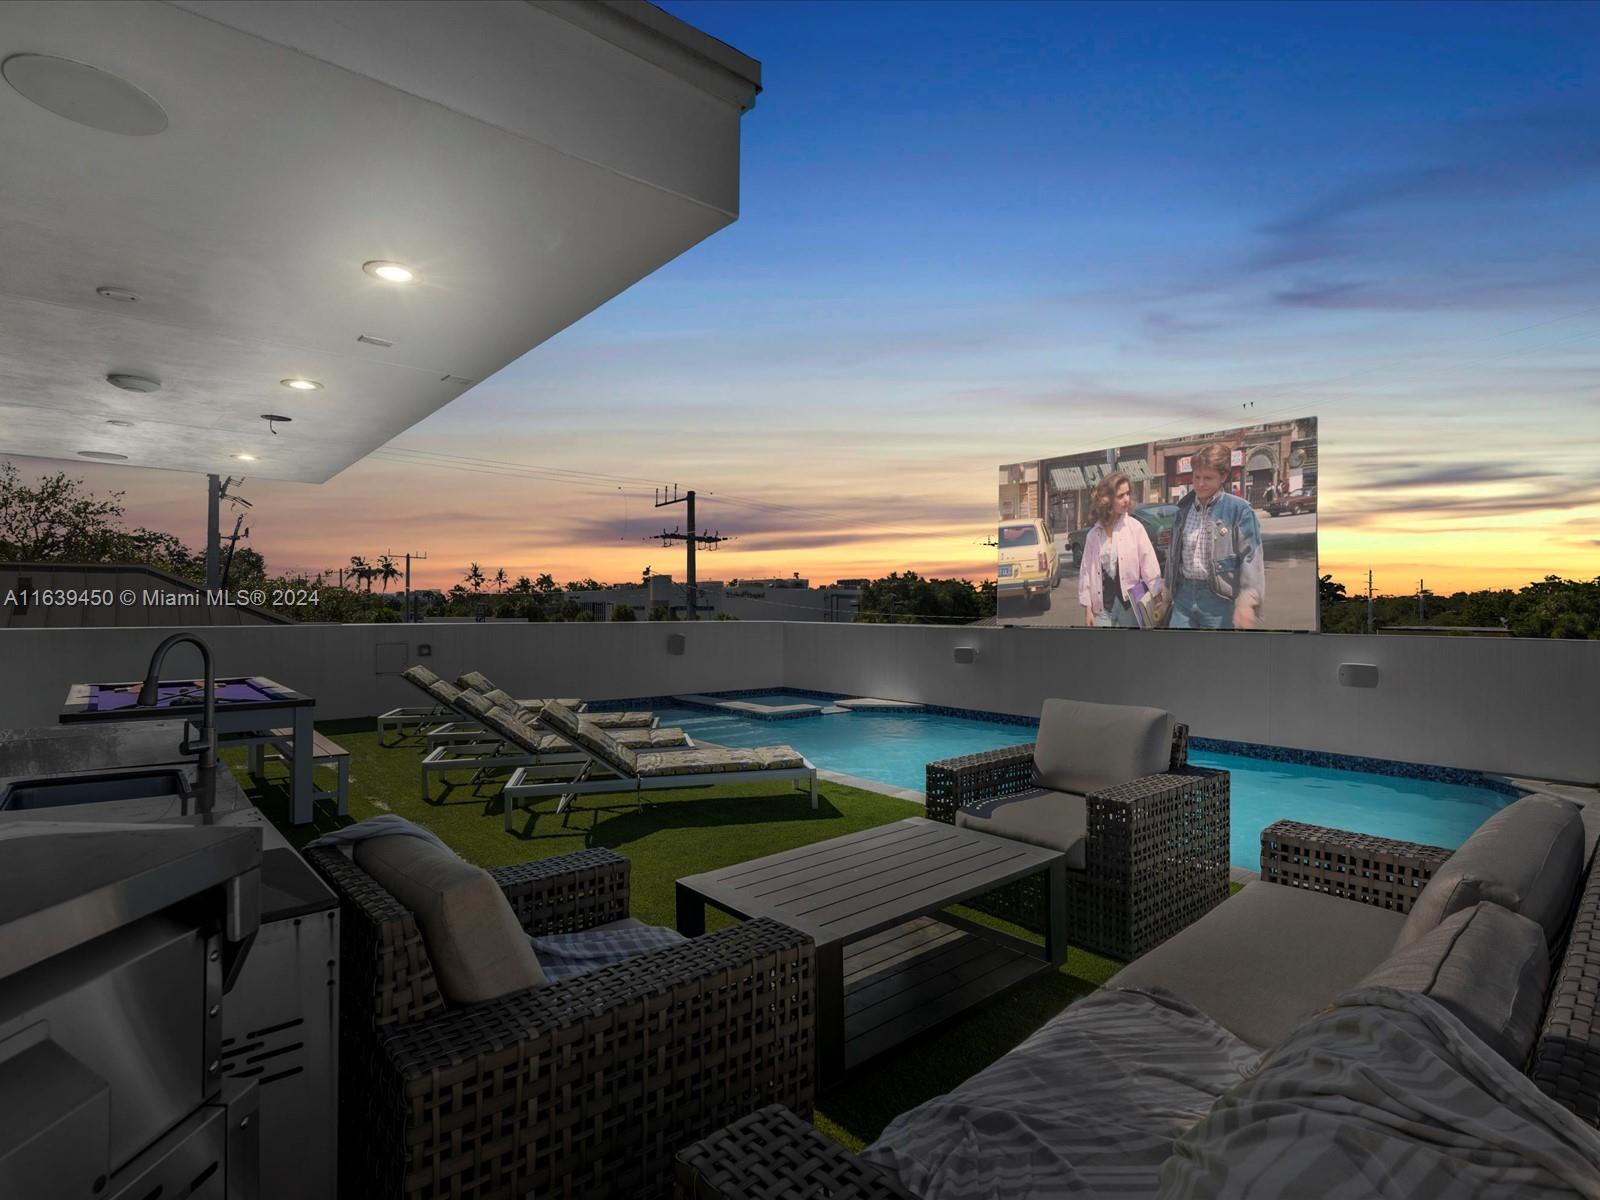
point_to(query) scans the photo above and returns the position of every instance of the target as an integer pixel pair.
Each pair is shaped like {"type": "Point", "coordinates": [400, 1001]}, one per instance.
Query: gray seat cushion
{"type": "Point", "coordinates": [1267, 958]}
{"type": "Point", "coordinates": [1085, 748]}
{"type": "Point", "coordinates": [1527, 857]}
{"type": "Point", "coordinates": [1058, 820]}
{"type": "Point", "coordinates": [477, 948]}
{"type": "Point", "coordinates": [1488, 966]}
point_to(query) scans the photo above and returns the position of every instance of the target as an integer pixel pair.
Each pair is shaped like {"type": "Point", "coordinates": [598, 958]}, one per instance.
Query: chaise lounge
{"type": "Point", "coordinates": [473, 749]}
{"type": "Point", "coordinates": [1374, 1039]}
{"type": "Point", "coordinates": [613, 767]}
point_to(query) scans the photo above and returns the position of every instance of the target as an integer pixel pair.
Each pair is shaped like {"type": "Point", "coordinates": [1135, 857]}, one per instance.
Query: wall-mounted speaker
{"type": "Point", "coordinates": [966, 654]}
{"type": "Point", "coordinates": [675, 643]}
{"type": "Point", "coordinates": [1362, 675]}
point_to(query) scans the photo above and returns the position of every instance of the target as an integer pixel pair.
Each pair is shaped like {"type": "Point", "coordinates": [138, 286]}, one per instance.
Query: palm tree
{"type": "Point", "coordinates": [360, 569]}
{"type": "Point", "coordinates": [387, 571]}
{"type": "Point", "coordinates": [474, 577]}
{"type": "Point", "coordinates": [500, 580]}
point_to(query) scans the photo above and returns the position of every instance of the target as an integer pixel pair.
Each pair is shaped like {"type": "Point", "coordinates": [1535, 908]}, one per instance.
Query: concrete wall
{"type": "Point", "coordinates": [1509, 705]}
{"type": "Point", "coordinates": [352, 669]}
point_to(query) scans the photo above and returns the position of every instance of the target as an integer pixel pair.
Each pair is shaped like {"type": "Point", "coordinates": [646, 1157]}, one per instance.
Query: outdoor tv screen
{"type": "Point", "coordinates": [1214, 531]}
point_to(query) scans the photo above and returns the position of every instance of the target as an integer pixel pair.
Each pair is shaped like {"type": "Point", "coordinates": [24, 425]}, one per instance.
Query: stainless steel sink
{"type": "Point", "coordinates": [158, 783]}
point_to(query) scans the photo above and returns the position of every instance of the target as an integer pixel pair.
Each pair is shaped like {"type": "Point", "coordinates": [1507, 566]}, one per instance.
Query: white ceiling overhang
{"type": "Point", "coordinates": [529, 160]}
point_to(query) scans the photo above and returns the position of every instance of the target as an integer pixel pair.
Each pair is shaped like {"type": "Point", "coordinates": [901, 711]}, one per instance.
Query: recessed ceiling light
{"type": "Point", "coordinates": [302, 385]}
{"type": "Point", "coordinates": [84, 94]}
{"type": "Point", "coordinates": [116, 293]}
{"type": "Point", "coordinates": [105, 455]}
{"type": "Point", "coordinates": [133, 383]}
{"type": "Point", "coordinates": [389, 272]}
{"type": "Point", "coordinates": [121, 424]}
{"type": "Point", "coordinates": [245, 457]}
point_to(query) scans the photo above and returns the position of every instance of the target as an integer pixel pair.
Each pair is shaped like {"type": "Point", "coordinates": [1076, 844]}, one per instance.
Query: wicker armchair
{"type": "Point", "coordinates": [1157, 847]}
{"type": "Point", "coordinates": [585, 1087]}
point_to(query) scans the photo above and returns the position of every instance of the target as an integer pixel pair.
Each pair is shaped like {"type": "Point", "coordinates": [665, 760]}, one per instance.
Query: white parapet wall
{"type": "Point", "coordinates": [353, 670]}
{"type": "Point", "coordinates": [1516, 706]}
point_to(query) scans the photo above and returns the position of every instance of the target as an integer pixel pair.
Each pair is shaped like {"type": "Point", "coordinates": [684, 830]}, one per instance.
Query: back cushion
{"type": "Point", "coordinates": [1089, 747]}
{"type": "Point", "coordinates": [475, 681]}
{"type": "Point", "coordinates": [1527, 857]}
{"type": "Point", "coordinates": [477, 948]}
{"type": "Point", "coordinates": [1485, 964]}
{"type": "Point", "coordinates": [472, 702]}
{"type": "Point", "coordinates": [590, 736]}
{"type": "Point", "coordinates": [420, 676]}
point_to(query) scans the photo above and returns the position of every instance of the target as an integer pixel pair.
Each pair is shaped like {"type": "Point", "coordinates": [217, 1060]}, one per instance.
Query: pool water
{"type": "Point", "coordinates": [895, 748]}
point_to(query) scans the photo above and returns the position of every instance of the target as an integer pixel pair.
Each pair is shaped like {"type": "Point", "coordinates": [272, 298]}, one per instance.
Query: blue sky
{"type": "Point", "coordinates": [978, 233]}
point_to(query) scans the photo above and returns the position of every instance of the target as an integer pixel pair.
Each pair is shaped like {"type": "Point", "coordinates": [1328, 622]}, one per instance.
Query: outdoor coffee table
{"type": "Point", "coordinates": [890, 964]}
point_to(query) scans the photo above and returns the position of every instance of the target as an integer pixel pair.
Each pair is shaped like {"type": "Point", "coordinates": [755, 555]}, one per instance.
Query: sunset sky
{"type": "Point", "coordinates": [977, 234]}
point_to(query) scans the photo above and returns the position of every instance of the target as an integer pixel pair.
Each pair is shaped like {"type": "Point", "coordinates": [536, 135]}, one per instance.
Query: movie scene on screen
{"type": "Point", "coordinates": [1214, 531]}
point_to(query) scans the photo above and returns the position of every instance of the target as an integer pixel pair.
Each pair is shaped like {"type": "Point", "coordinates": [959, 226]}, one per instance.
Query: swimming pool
{"type": "Point", "coordinates": [895, 748]}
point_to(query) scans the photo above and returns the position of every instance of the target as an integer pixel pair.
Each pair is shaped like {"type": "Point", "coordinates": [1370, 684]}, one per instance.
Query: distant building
{"type": "Point", "coordinates": [775, 599]}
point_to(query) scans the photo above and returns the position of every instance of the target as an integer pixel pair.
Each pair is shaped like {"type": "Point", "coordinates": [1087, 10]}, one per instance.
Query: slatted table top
{"type": "Point", "coordinates": [854, 886]}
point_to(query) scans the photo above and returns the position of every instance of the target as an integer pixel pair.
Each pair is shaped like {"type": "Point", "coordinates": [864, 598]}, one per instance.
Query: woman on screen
{"type": "Point", "coordinates": [1116, 555]}
{"type": "Point", "coordinates": [1215, 571]}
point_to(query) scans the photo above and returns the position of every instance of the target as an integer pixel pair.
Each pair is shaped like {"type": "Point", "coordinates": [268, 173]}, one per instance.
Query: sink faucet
{"type": "Point", "coordinates": [205, 741]}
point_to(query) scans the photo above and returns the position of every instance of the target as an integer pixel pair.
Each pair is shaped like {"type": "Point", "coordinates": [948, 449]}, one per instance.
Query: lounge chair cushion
{"type": "Point", "coordinates": [590, 736]}
{"type": "Point", "coordinates": [420, 676]}
{"type": "Point", "coordinates": [477, 948]}
{"type": "Point", "coordinates": [1059, 820]}
{"type": "Point", "coordinates": [475, 703]}
{"type": "Point", "coordinates": [1083, 748]}
{"type": "Point", "coordinates": [1267, 958]}
{"type": "Point", "coordinates": [1527, 857]}
{"type": "Point", "coordinates": [651, 738]}
{"type": "Point", "coordinates": [706, 761]}
{"type": "Point", "coordinates": [1487, 965]}
{"type": "Point", "coordinates": [475, 681]}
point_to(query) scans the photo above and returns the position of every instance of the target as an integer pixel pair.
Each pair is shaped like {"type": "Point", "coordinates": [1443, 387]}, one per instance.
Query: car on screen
{"type": "Point", "coordinates": [1030, 564]}
{"type": "Point", "coordinates": [1157, 520]}
{"type": "Point", "coordinates": [1292, 504]}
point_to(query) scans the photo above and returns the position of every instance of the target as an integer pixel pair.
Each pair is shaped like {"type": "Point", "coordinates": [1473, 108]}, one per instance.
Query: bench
{"type": "Point", "coordinates": [325, 752]}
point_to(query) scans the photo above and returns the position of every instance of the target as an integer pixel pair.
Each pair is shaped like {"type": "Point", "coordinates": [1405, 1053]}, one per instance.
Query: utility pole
{"type": "Point", "coordinates": [410, 607]}
{"type": "Point", "coordinates": [216, 493]}
{"type": "Point", "coordinates": [1422, 603]}
{"type": "Point", "coordinates": [1369, 600]}
{"type": "Point", "coordinates": [691, 540]}
{"type": "Point", "coordinates": [233, 540]}
{"type": "Point", "coordinates": [213, 532]}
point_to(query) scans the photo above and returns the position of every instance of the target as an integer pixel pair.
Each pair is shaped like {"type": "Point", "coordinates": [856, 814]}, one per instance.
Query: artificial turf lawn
{"type": "Point", "coordinates": [684, 833]}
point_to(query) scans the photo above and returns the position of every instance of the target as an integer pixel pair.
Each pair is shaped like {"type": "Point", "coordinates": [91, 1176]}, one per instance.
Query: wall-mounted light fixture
{"type": "Point", "coordinates": [1362, 675]}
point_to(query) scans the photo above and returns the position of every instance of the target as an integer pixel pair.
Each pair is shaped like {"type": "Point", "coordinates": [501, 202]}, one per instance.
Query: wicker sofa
{"type": "Point", "coordinates": [580, 1088]}
{"type": "Point", "coordinates": [1319, 878]}
{"type": "Point", "coordinates": [1146, 833]}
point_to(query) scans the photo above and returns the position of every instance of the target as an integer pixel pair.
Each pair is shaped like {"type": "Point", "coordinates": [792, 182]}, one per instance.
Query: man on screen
{"type": "Point", "coordinates": [1215, 572]}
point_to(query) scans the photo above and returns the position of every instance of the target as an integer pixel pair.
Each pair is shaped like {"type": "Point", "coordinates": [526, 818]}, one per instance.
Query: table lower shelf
{"type": "Point", "coordinates": [906, 980]}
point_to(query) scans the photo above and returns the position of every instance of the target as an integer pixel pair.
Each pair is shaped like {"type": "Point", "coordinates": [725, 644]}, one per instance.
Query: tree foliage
{"type": "Point", "coordinates": [1552, 608]}
{"type": "Point", "coordinates": [909, 599]}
